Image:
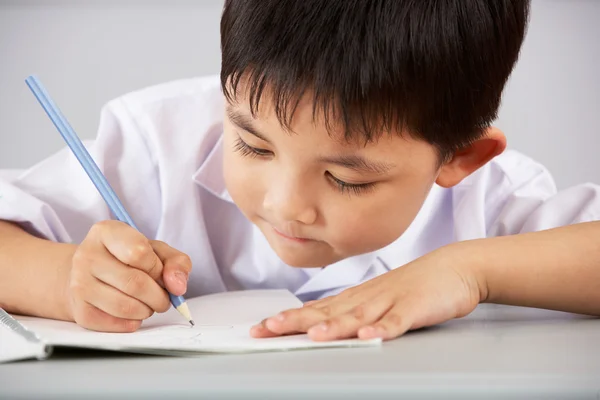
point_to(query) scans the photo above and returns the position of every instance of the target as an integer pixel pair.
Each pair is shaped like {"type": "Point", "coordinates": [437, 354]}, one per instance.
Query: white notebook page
{"type": "Point", "coordinates": [223, 322]}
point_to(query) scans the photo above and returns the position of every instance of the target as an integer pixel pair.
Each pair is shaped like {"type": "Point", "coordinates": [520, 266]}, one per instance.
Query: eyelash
{"type": "Point", "coordinates": [353, 188]}
{"type": "Point", "coordinates": [248, 151]}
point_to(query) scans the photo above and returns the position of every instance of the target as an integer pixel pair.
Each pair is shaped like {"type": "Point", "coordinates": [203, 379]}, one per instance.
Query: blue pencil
{"type": "Point", "coordinates": [91, 168]}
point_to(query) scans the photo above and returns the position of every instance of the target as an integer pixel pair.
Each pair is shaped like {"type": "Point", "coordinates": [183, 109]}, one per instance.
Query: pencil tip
{"type": "Point", "coordinates": [192, 322]}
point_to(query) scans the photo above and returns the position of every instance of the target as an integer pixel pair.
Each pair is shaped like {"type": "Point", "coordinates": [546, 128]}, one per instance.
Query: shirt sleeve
{"type": "Point", "coordinates": [56, 200]}
{"type": "Point", "coordinates": [525, 199]}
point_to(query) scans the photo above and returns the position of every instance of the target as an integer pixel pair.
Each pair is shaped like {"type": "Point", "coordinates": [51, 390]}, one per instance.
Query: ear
{"type": "Point", "coordinates": [469, 159]}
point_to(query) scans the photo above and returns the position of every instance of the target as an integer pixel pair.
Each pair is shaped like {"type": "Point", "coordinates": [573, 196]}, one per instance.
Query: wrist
{"type": "Point", "coordinates": [469, 261]}
{"type": "Point", "coordinates": [55, 303]}
{"type": "Point", "coordinates": [62, 295]}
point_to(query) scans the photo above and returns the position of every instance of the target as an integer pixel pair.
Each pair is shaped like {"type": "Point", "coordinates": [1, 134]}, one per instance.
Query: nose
{"type": "Point", "coordinates": [289, 200]}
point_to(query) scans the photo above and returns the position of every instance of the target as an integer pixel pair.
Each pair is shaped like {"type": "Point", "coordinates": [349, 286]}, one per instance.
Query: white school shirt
{"type": "Point", "coordinates": [161, 150]}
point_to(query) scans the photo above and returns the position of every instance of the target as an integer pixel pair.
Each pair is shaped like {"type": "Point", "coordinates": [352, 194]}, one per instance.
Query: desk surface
{"type": "Point", "coordinates": [496, 352]}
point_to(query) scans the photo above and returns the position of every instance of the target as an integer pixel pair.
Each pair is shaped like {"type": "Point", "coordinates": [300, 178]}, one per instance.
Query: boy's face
{"type": "Point", "coordinates": [317, 198]}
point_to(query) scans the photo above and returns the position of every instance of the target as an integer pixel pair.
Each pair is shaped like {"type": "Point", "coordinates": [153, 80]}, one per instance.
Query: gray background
{"type": "Point", "coordinates": [89, 51]}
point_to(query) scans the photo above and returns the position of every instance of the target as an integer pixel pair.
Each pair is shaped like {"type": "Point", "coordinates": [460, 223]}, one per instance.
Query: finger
{"type": "Point", "coordinates": [132, 282]}
{"type": "Point", "coordinates": [176, 267]}
{"type": "Point", "coordinates": [95, 319]}
{"type": "Point", "coordinates": [296, 320]}
{"type": "Point", "coordinates": [301, 319]}
{"type": "Point", "coordinates": [347, 299]}
{"type": "Point", "coordinates": [128, 246]}
{"type": "Point", "coordinates": [391, 325]}
{"type": "Point", "coordinates": [116, 303]}
{"type": "Point", "coordinates": [322, 302]}
{"type": "Point", "coordinates": [348, 324]}
{"type": "Point", "coordinates": [260, 331]}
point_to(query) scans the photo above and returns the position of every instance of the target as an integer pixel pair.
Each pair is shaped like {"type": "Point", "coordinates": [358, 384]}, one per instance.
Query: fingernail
{"type": "Point", "coordinates": [181, 278]}
{"type": "Point", "coordinates": [255, 330]}
{"type": "Point", "coordinates": [260, 324]}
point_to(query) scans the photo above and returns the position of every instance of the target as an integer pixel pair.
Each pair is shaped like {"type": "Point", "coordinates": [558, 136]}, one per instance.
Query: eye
{"type": "Point", "coordinates": [353, 188]}
{"type": "Point", "coordinates": [246, 150]}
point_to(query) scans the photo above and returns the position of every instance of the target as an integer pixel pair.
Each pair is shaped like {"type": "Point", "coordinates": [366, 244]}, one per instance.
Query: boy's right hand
{"type": "Point", "coordinates": [118, 276]}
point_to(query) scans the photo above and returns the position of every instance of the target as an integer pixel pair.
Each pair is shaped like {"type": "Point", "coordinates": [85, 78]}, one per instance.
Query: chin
{"type": "Point", "coordinates": [301, 261]}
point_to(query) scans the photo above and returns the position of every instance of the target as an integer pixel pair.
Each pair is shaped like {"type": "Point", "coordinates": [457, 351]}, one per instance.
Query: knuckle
{"type": "Point", "coordinates": [334, 323]}
{"type": "Point", "coordinates": [393, 319]}
{"type": "Point", "coordinates": [293, 316]}
{"type": "Point", "coordinates": [326, 311]}
{"type": "Point", "coordinates": [137, 252]}
{"type": "Point", "coordinates": [286, 315]}
{"type": "Point", "coordinates": [101, 226]}
{"type": "Point", "coordinates": [358, 313]}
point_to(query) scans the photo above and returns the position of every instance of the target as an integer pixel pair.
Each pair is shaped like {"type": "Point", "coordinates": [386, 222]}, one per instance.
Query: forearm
{"type": "Point", "coordinates": [34, 273]}
{"type": "Point", "coordinates": [556, 269]}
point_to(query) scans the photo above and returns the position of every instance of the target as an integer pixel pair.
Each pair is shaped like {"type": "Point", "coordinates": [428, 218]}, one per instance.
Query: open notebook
{"type": "Point", "coordinates": [223, 323]}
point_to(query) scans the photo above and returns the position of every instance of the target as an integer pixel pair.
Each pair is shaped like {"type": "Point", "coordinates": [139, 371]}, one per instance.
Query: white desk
{"type": "Point", "coordinates": [495, 353]}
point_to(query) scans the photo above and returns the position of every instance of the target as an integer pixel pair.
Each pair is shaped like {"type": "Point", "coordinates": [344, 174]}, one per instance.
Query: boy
{"type": "Point", "coordinates": [346, 154]}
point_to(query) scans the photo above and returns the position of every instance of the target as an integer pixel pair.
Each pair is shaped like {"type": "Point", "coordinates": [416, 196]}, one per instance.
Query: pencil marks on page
{"type": "Point", "coordinates": [184, 329]}
{"type": "Point", "coordinates": [180, 335]}
{"type": "Point", "coordinates": [207, 328]}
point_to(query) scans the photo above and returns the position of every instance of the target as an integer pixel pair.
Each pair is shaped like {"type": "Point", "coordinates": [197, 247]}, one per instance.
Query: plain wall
{"type": "Point", "coordinates": [87, 52]}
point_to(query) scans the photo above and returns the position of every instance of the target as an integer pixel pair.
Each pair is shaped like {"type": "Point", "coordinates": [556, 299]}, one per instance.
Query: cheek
{"type": "Point", "coordinates": [363, 229]}
{"type": "Point", "coordinates": [370, 224]}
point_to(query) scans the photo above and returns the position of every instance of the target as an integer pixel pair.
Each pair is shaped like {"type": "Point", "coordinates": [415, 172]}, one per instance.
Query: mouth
{"type": "Point", "coordinates": [292, 238]}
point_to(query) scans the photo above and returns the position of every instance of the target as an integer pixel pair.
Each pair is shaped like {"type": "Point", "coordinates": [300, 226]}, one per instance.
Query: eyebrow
{"type": "Point", "coordinates": [245, 122]}
{"type": "Point", "coordinates": [350, 161]}
{"type": "Point", "coordinates": [358, 163]}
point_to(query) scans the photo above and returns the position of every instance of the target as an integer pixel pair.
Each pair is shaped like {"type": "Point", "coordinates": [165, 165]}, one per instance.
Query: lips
{"type": "Point", "coordinates": [290, 237]}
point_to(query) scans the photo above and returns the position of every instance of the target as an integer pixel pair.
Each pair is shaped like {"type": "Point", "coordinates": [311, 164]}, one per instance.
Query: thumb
{"type": "Point", "coordinates": [176, 267]}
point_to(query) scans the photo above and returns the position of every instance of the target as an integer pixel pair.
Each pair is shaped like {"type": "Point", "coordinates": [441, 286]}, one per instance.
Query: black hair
{"type": "Point", "coordinates": [434, 69]}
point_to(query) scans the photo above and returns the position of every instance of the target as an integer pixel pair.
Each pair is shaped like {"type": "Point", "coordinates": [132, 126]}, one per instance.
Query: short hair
{"type": "Point", "coordinates": [434, 69]}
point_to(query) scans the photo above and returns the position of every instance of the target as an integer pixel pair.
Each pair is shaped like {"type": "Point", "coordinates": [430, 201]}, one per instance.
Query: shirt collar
{"type": "Point", "coordinates": [345, 273]}
{"type": "Point", "coordinates": [210, 173]}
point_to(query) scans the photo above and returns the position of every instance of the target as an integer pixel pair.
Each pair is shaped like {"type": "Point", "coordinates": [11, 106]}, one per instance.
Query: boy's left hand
{"type": "Point", "coordinates": [430, 290]}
